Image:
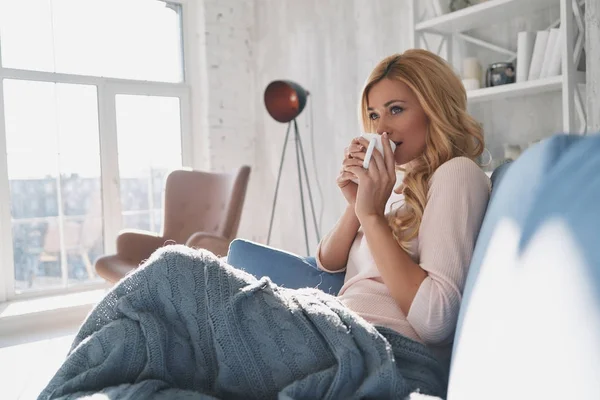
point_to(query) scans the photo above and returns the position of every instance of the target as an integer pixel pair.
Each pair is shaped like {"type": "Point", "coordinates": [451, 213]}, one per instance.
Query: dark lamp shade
{"type": "Point", "coordinates": [285, 100]}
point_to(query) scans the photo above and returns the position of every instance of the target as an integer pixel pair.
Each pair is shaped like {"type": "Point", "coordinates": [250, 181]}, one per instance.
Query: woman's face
{"type": "Point", "coordinates": [394, 108]}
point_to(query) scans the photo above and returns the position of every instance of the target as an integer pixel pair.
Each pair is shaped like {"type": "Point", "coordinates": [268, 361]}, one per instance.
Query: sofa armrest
{"type": "Point", "coordinates": [136, 246]}
{"type": "Point", "coordinates": [219, 245]}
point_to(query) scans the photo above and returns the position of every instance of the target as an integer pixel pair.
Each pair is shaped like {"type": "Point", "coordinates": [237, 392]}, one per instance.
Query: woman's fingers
{"type": "Point", "coordinates": [352, 162]}
{"type": "Point", "coordinates": [390, 164]}
{"type": "Point", "coordinates": [345, 176]}
{"type": "Point", "coordinates": [360, 141]}
{"type": "Point", "coordinates": [377, 164]}
{"type": "Point", "coordinates": [354, 150]}
{"type": "Point", "coordinates": [358, 171]}
{"type": "Point", "coordinates": [359, 155]}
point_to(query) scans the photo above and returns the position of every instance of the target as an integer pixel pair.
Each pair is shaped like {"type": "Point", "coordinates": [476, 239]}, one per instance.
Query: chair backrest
{"type": "Point", "coordinates": [210, 202]}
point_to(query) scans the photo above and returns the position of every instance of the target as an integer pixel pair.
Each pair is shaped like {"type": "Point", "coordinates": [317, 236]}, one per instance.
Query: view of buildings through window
{"type": "Point", "coordinates": [55, 67]}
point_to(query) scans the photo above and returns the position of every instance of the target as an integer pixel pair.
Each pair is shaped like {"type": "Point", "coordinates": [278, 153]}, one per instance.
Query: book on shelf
{"type": "Point", "coordinates": [525, 44]}
{"type": "Point", "coordinates": [554, 60]}
{"type": "Point", "coordinates": [539, 53]}
{"type": "Point", "coordinates": [552, 55]}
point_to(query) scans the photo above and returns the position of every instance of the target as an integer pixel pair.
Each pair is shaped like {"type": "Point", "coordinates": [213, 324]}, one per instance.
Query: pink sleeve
{"type": "Point", "coordinates": [320, 265]}
{"type": "Point", "coordinates": [457, 200]}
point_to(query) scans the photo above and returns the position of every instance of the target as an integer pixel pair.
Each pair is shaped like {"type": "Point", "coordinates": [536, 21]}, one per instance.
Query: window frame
{"type": "Point", "coordinates": [107, 89]}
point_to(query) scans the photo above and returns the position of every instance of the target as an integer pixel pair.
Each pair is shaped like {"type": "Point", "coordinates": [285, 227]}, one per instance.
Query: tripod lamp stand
{"type": "Point", "coordinates": [284, 101]}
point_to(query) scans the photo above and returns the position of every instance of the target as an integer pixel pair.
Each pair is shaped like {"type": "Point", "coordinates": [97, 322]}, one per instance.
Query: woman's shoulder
{"type": "Point", "coordinates": [460, 170]}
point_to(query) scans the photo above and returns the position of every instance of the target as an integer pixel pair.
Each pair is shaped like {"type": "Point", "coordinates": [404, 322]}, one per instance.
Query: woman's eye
{"type": "Point", "coordinates": [373, 116]}
{"type": "Point", "coordinates": [396, 110]}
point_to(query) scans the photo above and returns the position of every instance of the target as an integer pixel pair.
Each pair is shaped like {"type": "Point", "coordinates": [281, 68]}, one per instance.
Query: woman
{"type": "Point", "coordinates": [187, 324]}
{"type": "Point", "coordinates": [406, 269]}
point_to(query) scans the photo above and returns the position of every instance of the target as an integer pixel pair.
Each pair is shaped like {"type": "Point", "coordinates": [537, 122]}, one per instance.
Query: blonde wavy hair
{"type": "Point", "coordinates": [452, 132]}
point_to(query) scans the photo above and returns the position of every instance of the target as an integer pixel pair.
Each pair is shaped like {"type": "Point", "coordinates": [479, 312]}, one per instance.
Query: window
{"type": "Point", "coordinates": [142, 173]}
{"type": "Point", "coordinates": [130, 39]}
{"type": "Point", "coordinates": [93, 116]}
{"type": "Point", "coordinates": [54, 174]}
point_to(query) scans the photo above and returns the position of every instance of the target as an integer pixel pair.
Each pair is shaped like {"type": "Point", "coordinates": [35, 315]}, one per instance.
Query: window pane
{"type": "Point", "coordinates": [32, 198]}
{"type": "Point", "coordinates": [149, 142]}
{"type": "Point", "coordinates": [132, 39]}
{"type": "Point", "coordinates": [35, 268]}
{"type": "Point", "coordinates": [27, 36]}
{"type": "Point", "coordinates": [54, 175]}
{"type": "Point", "coordinates": [31, 120]}
{"type": "Point", "coordinates": [137, 220]}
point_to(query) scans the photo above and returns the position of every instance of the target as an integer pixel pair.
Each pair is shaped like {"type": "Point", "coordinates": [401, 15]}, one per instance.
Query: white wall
{"type": "Point", "coordinates": [328, 47]}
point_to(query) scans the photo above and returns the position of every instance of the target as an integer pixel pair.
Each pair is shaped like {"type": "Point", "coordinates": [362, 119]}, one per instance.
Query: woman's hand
{"type": "Point", "coordinates": [375, 184]}
{"type": "Point", "coordinates": [353, 153]}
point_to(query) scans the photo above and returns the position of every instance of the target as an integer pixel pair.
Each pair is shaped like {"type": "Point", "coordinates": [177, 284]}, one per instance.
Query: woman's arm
{"type": "Point", "coordinates": [428, 293]}
{"type": "Point", "coordinates": [333, 250]}
{"type": "Point", "coordinates": [399, 272]}
{"type": "Point", "coordinates": [456, 205]}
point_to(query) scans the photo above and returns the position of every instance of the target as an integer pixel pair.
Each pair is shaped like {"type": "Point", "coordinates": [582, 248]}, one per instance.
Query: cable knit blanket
{"type": "Point", "coordinates": [187, 325]}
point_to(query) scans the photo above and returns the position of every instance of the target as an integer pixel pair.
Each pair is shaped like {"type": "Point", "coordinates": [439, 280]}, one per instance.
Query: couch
{"type": "Point", "coordinates": [529, 324]}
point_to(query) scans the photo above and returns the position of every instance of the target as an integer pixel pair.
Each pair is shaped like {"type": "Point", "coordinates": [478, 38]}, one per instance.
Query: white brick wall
{"type": "Point", "coordinates": [228, 34]}
{"type": "Point", "coordinates": [223, 102]}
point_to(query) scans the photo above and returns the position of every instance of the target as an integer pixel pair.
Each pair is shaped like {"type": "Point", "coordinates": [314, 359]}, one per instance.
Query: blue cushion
{"type": "Point", "coordinates": [529, 322]}
{"type": "Point", "coordinates": [283, 268]}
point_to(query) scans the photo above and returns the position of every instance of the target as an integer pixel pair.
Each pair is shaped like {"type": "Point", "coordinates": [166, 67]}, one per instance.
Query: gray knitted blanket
{"type": "Point", "coordinates": [187, 325]}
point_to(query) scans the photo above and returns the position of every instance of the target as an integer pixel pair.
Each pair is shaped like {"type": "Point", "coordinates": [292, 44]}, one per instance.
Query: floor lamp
{"type": "Point", "coordinates": [284, 101]}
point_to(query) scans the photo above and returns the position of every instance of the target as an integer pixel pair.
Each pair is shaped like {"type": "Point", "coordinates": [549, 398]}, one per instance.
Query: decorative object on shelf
{"type": "Point", "coordinates": [284, 101]}
{"type": "Point", "coordinates": [471, 73]}
{"type": "Point", "coordinates": [471, 84]}
{"type": "Point", "coordinates": [471, 68]}
{"type": "Point", "coordinates": [456, 5]}
{"type": "Point", "coordinates": [500, 73]}
{"type": "Point", "coordinates": [511, 151]}
{"type": "Point", "coordinates": [482, 162]}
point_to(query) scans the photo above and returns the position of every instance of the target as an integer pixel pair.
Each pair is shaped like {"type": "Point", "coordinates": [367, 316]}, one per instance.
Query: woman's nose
{"type": "Point", "coordinates": [383, 126]}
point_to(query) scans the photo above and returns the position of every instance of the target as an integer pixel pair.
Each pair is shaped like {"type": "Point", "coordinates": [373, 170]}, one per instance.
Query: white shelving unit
{"type": "Point", "coordinates": [484, 14]}
{"type": "Point", "coordinates": [452, 26]}
{"type": "Point", "coordinates": [521, 89]}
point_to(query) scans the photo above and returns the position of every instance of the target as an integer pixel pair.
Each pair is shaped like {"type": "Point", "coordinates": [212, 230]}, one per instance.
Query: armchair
{"type": "Point", "coordinates": [201, 209]}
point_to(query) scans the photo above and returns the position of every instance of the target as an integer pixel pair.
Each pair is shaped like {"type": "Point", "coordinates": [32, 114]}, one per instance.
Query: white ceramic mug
{"type": "Point", "coordinates": [374, 143]}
